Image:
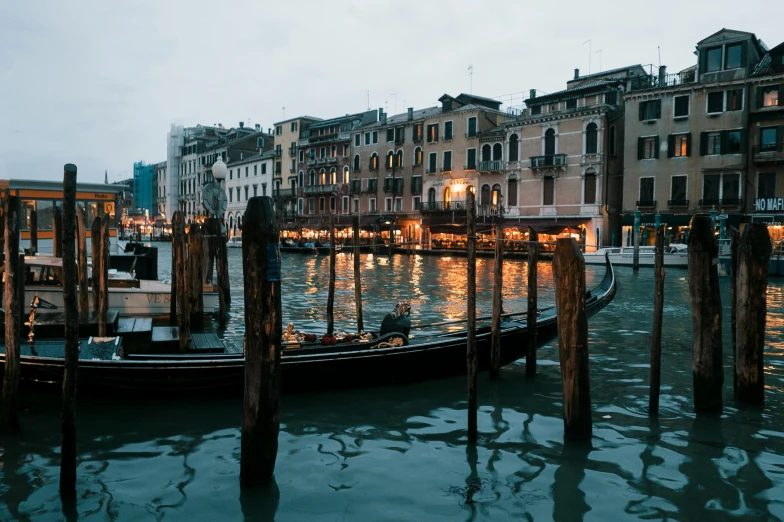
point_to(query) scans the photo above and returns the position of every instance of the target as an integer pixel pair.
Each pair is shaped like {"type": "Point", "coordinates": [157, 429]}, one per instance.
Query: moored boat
{"type": "Point", "coordinates": [675, 255]}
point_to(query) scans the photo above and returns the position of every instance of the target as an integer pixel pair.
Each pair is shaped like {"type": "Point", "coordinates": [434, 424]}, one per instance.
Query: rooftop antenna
{"type": "Point", "coordinates": [471, 79]}
{"type": "Point", "coordinates": [659, 48]}
{"type": "Point", "coordinates": [599, 52]}
{"type": "Point", "coordinates": [284, 112]}
{"type": "Point", "coordinates": [589, 54]}
{"type": "Point", "coordinates": [368, 98]}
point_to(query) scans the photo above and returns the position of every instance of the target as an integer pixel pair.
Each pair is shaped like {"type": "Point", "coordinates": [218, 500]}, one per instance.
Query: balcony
{"type": "Point", "coordinates": [303, 142]}
{"type": "Point", "coordinates": [323, 137]}
{"type": "Point", "coordinates": [332, 159]}
{"type": "Point", "coordinates": [284, 193]}
{"type": "Point", "coordinates": [293, 150]}
{"type": "Point", "coordinates": [646, 203]}
{"type": "Point", "coordinates": [344, 135]}
{"type": "Point", "coordinates": [321, 189]}
{"type": "Point", "coordinates": [725, 202]}
{"type": "Point", "coordinates": [492, 166]}
{"type": "Point", "coordinates": [769, 152]}
{"type": "Point", "coordinates": [418, 139]}
{"type": "Point", "coordinates": [434, 207]}
{"type": "Point", "coordinates": [655, 81]}
{"type": "Point", "coordinates": [678, 203]}
{"type": "Point", "coordinates": [550, 160]}
{"type": "Point", "coordinates": [490, 211]}
{"type": "Point", "coordinates": [292, 171]}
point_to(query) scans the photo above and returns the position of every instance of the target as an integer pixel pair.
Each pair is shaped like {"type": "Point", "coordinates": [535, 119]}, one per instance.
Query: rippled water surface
{"type": "Point", "coordinates": [400, 453]}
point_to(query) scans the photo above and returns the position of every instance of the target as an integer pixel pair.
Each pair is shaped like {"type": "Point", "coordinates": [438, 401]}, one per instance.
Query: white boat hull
{"type": "Point", "coordinates": [625, 257]}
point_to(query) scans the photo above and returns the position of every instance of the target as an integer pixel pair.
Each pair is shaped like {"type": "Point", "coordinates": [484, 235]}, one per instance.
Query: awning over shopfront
{"type": "Point", "coordinates": [674, 220]}
{"type": "Point", "coordinates": [550, 225]}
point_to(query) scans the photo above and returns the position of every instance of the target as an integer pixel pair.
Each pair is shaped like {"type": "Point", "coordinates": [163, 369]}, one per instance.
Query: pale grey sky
{"type": "Point", "coordinates": [97, 84]}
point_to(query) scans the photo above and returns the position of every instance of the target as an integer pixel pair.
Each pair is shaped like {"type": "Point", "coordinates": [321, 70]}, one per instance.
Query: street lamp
{"type": "Point", "coordinates": [219, 170]}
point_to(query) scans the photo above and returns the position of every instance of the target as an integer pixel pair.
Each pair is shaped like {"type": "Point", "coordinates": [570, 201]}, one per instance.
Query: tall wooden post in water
{"type": "Point", "coordinates": [195, 280]}
{"type": "Point", "coordinates": [68, 418]}
{"type": "Point", "coordinates": [569, 274]}
{"type": "Point", "coordinates": [706, 313]}
{"type": "Point", "coordinates": [533, 259]}
{"type": "Point", "coordinates": [84, 290]}
{"type": "Point", "coordinates": [263, 330]}
{"type": "Point", "coordinates": [57, 232]}
{"type": "Point", "coordinates": [658, 313]}
{"type": "Point", "coordinates": [498, 270]}
{"type": "Point", "coordinates": [734, 245]}
{"type": "Point", "coordinates": [636, 232]}
{"type": "Point", "coordinates": [103, 278]}
{"type": "Point", "coordinates": [753, 258]}
{"type": "Point", "coordinates": [331, 289]}
{"type": "Point", "coordinates": [95, 249]}
{"type": "Point", "coordinates": [472, 359]}
{"type": "Point", "coordinates": [222, 270]}
{"type": "Point", "coordinates": [9, 419]}
{"type": "Point", "coordinates": [357, 275]}
{"type": "Point", "coordinates": [179, 272]}
{"type": "Point", "coordinates": [34, 231]}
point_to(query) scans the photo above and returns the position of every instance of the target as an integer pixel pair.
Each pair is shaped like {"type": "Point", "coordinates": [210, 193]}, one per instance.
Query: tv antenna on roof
{"type": "Point", "coordinates": [589, 54]}
{"type": "Point", "coordinates": [368, 98]}
{"type": "Point", "coordinates": [471, 79]}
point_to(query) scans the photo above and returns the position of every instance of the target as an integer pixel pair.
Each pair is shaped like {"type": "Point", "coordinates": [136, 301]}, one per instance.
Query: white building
{"type": "Point", "coordinates": [249, 176]}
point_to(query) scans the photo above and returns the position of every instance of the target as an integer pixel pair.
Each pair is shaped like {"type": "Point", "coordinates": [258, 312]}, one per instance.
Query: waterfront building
{"type": "Point", "coordinates": [160, 191]}
{"type": "Point", "coordinates": [144, 187]}
{"type": "Point", "coordinates": [249, 176]}
{"type": "Point", "coordinates": [288, 159]}
{"type": "Point", "coordinates": [687, 137]}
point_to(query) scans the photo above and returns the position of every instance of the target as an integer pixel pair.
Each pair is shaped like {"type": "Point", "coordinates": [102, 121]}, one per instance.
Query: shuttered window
{"type": "Point", "coordinates": [589, 197]}
{"type": "Point", "coordinates": [650, 110]}
{"type": "Point", "coordinates": [512, 196]}
{"type": "Point", "coordinates": [548, 191]}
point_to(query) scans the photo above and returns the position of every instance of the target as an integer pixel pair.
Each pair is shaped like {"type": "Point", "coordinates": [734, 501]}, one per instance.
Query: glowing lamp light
{"type": "Point", "coordinates": [219, 170]}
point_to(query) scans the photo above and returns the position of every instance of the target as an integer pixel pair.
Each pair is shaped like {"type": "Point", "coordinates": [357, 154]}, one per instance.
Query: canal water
{"type": "Point", "coordinates": [400, 453]}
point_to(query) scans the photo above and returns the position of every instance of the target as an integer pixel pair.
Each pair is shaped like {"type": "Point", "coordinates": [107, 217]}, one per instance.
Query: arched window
{"type": "Point", "coordinates": [589, 187]}
{"type": "Point", "coordinates": [495, 198]}
{"type": "Point", "coordinates": [484, 197]}
{"type": "Point", "coordinates": [431, 196]}
{"type": "Point", "coordinates": [333, 176]}
{"type": "Point", "coordinates": [346, 177]}
{"type": "Point", "coordinates": [549, 142]}
{"type": "Point", "coordinates": [512, 193]}
{"type": "Point", "coordinates": [399, 159]}
{"type": "Point", "coordinates": [390, 159]}
{"type": "Point", "coordinates": [322, 177]}
{"type": "Point", "coordinates": [301, 178]}
{"type": "Point", "coordinates": [612, 140]}
{"type": "Point", "coordinates": [486, 152]}
{"type": "Point", "coordinates": [312, 177]}
{"type": "Point", "coordinates": [374, 161]}
{"type": "Point", "coordinates": [590, 139]}
{"type": "Point", "coordinates": [231, 224]}
{"type": "Point", "coordinates": [239, 223]}
{"type": "Point", "coordinates": [447, 197]}
{"type": "Point", "coordinates": [356, 162]}
{"type": "Point", "coordinates": [418, 156]}
{"type": "Point", "coordinates": [514, 154]}
{"type": "Point", "coordinates": [498, 152]}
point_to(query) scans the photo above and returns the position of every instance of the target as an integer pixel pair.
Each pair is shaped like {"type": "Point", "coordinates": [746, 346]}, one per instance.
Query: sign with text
{"type": "Point", "coordinates": [768, 204]}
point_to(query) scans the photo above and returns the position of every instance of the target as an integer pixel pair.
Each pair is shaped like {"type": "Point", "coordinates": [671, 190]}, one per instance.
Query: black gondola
{"type": "Point", "coordinates": [389, 358]}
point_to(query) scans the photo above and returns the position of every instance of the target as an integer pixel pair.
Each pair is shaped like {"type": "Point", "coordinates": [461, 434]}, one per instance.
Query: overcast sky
{"type": "Point", "coordinates": [98, 85]}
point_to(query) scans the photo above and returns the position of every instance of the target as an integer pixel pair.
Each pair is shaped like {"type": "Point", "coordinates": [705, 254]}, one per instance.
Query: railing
{"type": "Point", "coordinates": [646, 202]}
{"type": "Point", "coordinates": [332, 159]}
{"type": "Point", "coordinates": [292, 171]}
{"type": "Point", "coordinates": [443, 206]}
{"type": "Point", "coordinates": [321, 189]}
{"type": "Point", "coordinates": [470, 134]}
{"type": "Point", "coordinates": [447, 138]}
{"type": "Point", "coordinates": [278, 153]}
{"type": "Point", "coordinates": [769, 152]}
{"type": "Point", "coordinates": [284, 193]}
{"type": "Point", "coordinates": [323, 137]}
{"type": "Point", "coordinates": [547, 161]}
{"type": "Point", "coordinates": [655, 81]}
{"type": "Point", "coordinates": [720, 202]}
{"type": "Point", "coordinates": [418, 139]}
{"type": "Point", "coordinates": [490, 210]}
{"type": "Point", "coordinates": [344, 135]}
{"type": "Point", "coordinates": [492, 166]}
{"type": "Point", "coordinates": [673, 203]}
{"type": "Point", "coordinates": [303, 142]}
{"type": "Point", "coordinates": [293, 150]}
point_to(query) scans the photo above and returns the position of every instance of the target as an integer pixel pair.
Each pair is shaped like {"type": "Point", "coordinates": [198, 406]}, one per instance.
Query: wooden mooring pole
{"type": "Point", "coordinates": [658, 314]}
{"type": "Point", "coordinates": [263, 330]}
{"type": "Point", "coordinates": [707, 370]}
{"type": "Point", "coordinates": [569, 274]}
{"type": "Point", "coordinates": [533, 259]}
{"type": "Point", "coordinates": [212, 233]}
{"type": "Point", "coordinates": [57, 232]}
{"type": "Point", "coordinates": [734, 244]}
{"type": "Point", "coordinates": [175, 269]}
{"type": "Point", "coordinates": [84, 288]}
{"type": "Point", "coordinates": [13, 305]}
{"type": "Point", "coordinates": [331, 287]}
{"type": "Point", "coordinates": [95, 252]}
{"type": "Point", "coordinates": [222, 269]}
{"type": "Point", "coordinates": [195, 273]}
{"type": "Point", "coordinates": [495, 329]}
{"type": "Point", "coordinates": [68, 417]}
{"type": "Point", "coordinates": [103, 278]}
{"type": "Point", "coordinates": [357, 276]}
{"type": "Point", "coordinates": [179, 271]}
{"type": "Point", "coordinates": [472, 359]}
{"type": "Point", "coordinates": [752, 286]}
{"type": "Point", "coordinates": [34, 232]}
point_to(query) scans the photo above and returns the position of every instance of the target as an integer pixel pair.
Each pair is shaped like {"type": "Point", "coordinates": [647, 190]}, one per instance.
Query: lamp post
{"type": "Point", "coordinates": [219, 171]}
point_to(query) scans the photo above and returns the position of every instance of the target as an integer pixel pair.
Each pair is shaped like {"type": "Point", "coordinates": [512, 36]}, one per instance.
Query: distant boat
{"type": "Point", "coordinates": [675, 255]}
{"type": "Point", "coordinates": [234, 242]}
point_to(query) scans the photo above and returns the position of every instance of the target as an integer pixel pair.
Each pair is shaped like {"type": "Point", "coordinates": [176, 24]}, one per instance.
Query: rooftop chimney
{"type": "Point", "coordinates": [258, 127]}
{"type": "Point", "coordinates": [382, 116]}
{"type": "Point", "coordinates": [662, 75]}
{"type": "Point", "coordinates": [269, 130]}
{"type": "Point", "coordinates": [576, 73]}
{"type": "Point", "coordinates": [410, 113]}
{"type": "Point", "coordinates": [532, 93]}
{"type": "Point", "coordinates": [242, 124]}
{"type": "Point", "coordinates": [380, 113]}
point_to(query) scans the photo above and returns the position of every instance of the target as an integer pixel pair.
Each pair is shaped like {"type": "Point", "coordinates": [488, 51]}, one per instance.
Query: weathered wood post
{"type": "Point", "coordinates": [68, 417]}
{"type": "Point", "coordinates": [180, 271]}
{"type": "Point", "coordinates": [707, 370]}
{"type": "Point", "coordinates": [569, 274]}
{"type": "Point", "coordinates": [13, 306]}
{"type": "Point", "coordinates": [331, 288]}
{"type": "Point", "coordinates": [658, 313]}
{"type": "Point", "coordinates": [533, 258]}
{"type": "Point", "coordinates": [196, 275]}
{"type": "Point", "coordinates": [84, 289]}
{"type": "Point", "coordinates": [175, 269]}
{"type": "Point", "coordinates": [753, 261]}
{"type": "Point", "coordinates": [734, 244]}
{"type": "Point", "coordinates": [224, 287]}
{"type": "Point", "coordinates": [57, 232]}
{"type": "Point", "coordinates": [95, 252]}
{"type": "Point", "coordinates": [34, 231]}
{"type": "Point", "coordinates": [498, 269]}
{"type": "Point", "coordinates": [636, 232]}
{"type": "Point", "coordinates": [357, 276]}
{"type": "Point", "coordinates": [103, 278]}
{"type": "Point", "coordinates": [472, 359]}
{"type": "Point", "coordinates": [263, 330]}
{"type": "Point", "coordinates": [212, 231]}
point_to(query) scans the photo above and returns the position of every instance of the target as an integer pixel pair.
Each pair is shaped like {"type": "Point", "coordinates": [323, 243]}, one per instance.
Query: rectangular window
{"type": "Point", "coordinates": [323, 152]}
{"type": "Point", "coordinates": [589, 193]}
{"type": "Point", "coordinates": [571, 104]}
{"type": "Point", "coordinates": [471, 127]}
{"type": "Point", "coordinates": [256, 190]}
{"type": "Point", "coordinates": [390, 134]}
{"type": "Point", "coordinates": [548, 191]}
{"type": "Point", "coordinates": [345, 205]}
{"type": "Point", "coordinates": [447, 130]}
{"type": "Point", "coordinates": [646, 189]}
{"type": "Point", "coordinates": [279, 130]}
{"type": "Point", "coordinates": [416, 202]}
{"type": "Point", "coordinates": [730, 188]}
{"type": "Point", "coordinates": [418, 132]}
{"type": "Point", "coordinates": [713, 60]}
{"type": "Point", "coordinates": [432, 133]}
{"type": "Point", "coordinates": [367, 138]}
{"type": "Point", "coordinates": [300, 205]}
{"type": "Point", "coordinates": [711, 187]}
{"type": "Point", "coordinates": [400, 134]}
{"type": "Point", "coordinates": [681, 106]}
{"type": "Point", "coordinates": [372, 204]}
{"type": "Point", "coordinates": [293, 126]}
{"type": "Point", "coordinates": [713, 143]}
{"type": "Point", "coordinates": [398, 204]}
{"type": "Point", "coordinates": [431, 165]}
{"type": "Point", "coordinates": [372, 185]}
{"type": "Point", "coordinates": [650, 110]}
{"type": "Point", "coordinates": [264, 167]}
{"type": "Point", "coordinates": [231, 174]}
{"type": "Point", "coordinates": [734, 142]}
{"type": "Point", "coordinates": [375, 136]}
{"type": "Point", "coordinates": [681, 145]}
{"type": "Point", "coordinates": [648, 148]}
{"type": "Point", "coordinates": [536, 109]}
{"type": "Point", "coordinates": [246, 192]}
{"type": "Point", "coordinates": [735, 100]}
{"type": "Point", "coordinates": [766, 185]}
{"type": "Point", "coordinates": [733, 56]}
{"type": "Point", "coordinates": [678, 189]}
{"type": "Point", "coordinates": [321, 205]}
{"type": "Point", "coordinates": [387, 204]}
{"type": "Point", "coordinates": [769, 139]}
{"type": "Point", "coordinates": [302, 154]}
{"type": "Point", "coordinates": [715, 102]}
{"type": "Point", "coordinates": [255, 173]}
{"type": "Point", "coordinates": [357, 141]}
{"type": "Point", "coordinates": [471, 159]}
{"type": "Point", "coordinates": [416, 185]}
{"type": "Point", "coordinates": [770, 96]}
{"type": "Point", "coordinates": [333, 152]}
{"type": "Point", "coordinates": [356, 206]}
{"type": "Point", "coordinates": [447, 164]}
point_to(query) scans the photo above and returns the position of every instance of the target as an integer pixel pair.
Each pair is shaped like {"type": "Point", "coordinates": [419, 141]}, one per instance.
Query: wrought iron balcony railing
{"type": "Point", "coordinates": [550, 160]}
{"type": "Point", "coordinates": [492, 166]}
